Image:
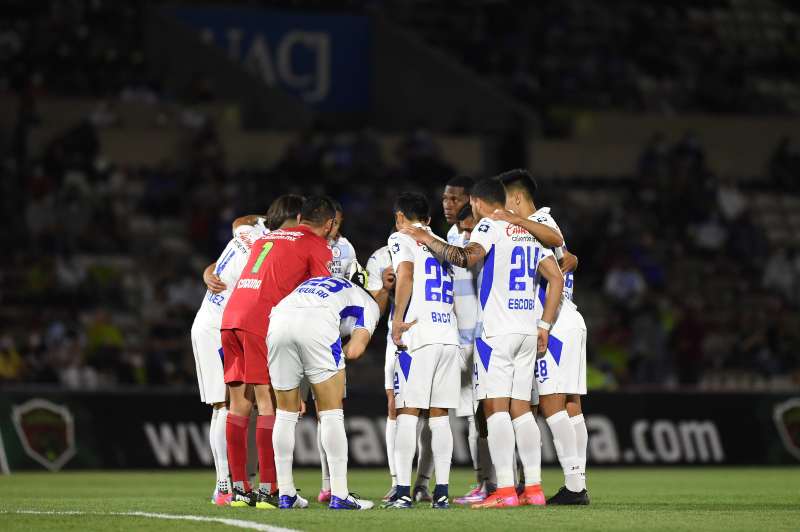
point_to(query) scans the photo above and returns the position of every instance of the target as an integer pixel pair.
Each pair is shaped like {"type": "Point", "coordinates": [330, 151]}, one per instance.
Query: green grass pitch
{"type": "Point", "coordinates": [622, 499]}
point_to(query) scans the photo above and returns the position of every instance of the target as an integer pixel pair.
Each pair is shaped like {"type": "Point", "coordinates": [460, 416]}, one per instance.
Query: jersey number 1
{"type": "Point", "coordinates": [261, 256]}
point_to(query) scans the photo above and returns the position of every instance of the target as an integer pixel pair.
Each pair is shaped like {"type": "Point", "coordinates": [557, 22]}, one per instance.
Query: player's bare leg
{"type": "Point", "coordinates": [265, 399]}
{"type": "Point", "coordinates": [391, 431]}
{"type": "Point", "coordinates": [553, 407]}
{"type": "Point", "coordinates": [501, 447]}
{"type": "Point", "coordinates": [334, 441]}
{"type": "Point", "coordinates": [442, 453]}
{"type": "Point", "coordinates": [581, 433]}
{"type": "Point", "coordinates": [288, 412]}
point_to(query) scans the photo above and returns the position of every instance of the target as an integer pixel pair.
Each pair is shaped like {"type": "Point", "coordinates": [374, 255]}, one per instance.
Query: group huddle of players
{"type": "Point", "coordinates": [481, 325]}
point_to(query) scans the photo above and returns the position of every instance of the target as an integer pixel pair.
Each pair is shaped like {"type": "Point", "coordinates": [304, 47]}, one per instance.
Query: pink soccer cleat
{"type": "Point", "coordinates": [324, 496]}
{"type": "Point", "coordinates": [532, 496]}
{"type": "Point", "coordinates": [222, 498]}
{"type": "Point", "coordinates": [502, 498]}
{"type": "Point", "coordinates": [476, 494]}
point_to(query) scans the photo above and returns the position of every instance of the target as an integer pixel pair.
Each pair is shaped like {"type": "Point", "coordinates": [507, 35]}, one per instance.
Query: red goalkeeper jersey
{"type": "Point", "coordinates": [278, 263]}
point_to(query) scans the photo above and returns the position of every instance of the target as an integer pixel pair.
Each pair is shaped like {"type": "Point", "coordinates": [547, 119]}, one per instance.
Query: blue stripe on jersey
{"type": "Point", "coordinates": [484, 352]}
{"type": "Point", "coordinates": [404, 359]}
{"type": "Point", "coordinates": [542, 291]}
{"type": "Point", "coordinates": [336, 351]}
{"type": "Point", "coordinates": [221, 355]}
{"type": "Point", "coordinates": [224, 262]}
{"type": "Point", "coordinates": [554, 345]}
{"type": "Point", "coordinates": [353, 311]}
{"type": "Point", "coordinates": [463, 287]}
{"type": "Point", "coordinates": [487, 277]}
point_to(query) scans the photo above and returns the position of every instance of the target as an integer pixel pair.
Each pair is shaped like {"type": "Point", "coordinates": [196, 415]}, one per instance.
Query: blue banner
{"type": "Point", "coordinates": [322, 59]}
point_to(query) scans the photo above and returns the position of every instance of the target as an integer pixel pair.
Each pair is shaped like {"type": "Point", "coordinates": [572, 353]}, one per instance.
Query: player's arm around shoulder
{"type": "Point", "coordinates": [537, 225]}
{"type": "Point", "coordinates": [465, 257]}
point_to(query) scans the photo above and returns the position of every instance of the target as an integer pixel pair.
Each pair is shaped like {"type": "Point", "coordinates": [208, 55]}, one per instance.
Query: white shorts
{"type": "Point", "coordinates": [303, 343]}
{"type": "Point", "coordinates": [207, 348]}
{"type": "Point", "coordinates": [563, 367]}
{"type": "Point", "coordinates": [467, 403]}
{"type": "Point", "coordinates": [388, 365]}
{"type": "Point", "coordinates": [503, 366]}
{"type": "Point", "coordinates": [428, 377]}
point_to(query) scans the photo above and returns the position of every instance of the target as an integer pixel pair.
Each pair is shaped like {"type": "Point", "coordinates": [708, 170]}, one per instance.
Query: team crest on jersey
{"type": "Point", "coordinates": [46, 431]}
{"type": "Point", "coordinates": [336, 252]}
{"type": "Point", "coordinates": [396, 247]}
{"type": "Point", "coordinates": [787, 421]}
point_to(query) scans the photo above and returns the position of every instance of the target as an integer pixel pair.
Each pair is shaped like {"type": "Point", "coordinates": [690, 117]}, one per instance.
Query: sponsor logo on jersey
{"type": "Point", "coordinates": [249, 283]}
{"type": "Point", "coordinates": [46, 431]}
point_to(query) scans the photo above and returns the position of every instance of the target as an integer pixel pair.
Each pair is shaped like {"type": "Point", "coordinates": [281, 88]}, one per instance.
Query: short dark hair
{"type": "Point", "coordinates": [464, 213]}
{"type": "Point", "coordinates": [285, 207]}
{"type": "Point", "coordinates": [318, 210]}
{"type": "Point", "coordinates": [413, 205]}
{"type": "Point", "coordinates": [461, 181]}
{"type": "Point", "coordinates": [337, 205]}
{"type": "Point", "coordinates": [521, 178]}
{"type": "Point", "coordinates": [489, 190]}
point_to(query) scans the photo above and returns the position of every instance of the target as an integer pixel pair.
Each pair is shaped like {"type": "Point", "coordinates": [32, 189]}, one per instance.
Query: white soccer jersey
{"type": "Point", "coordinates": [353, 307]}
{"type": "Point", "coordinates": [432, 295]}
{"type": "Point", "coordinates": [376, 264]}
{"type": "Point", "coordinates": [465, 292]}
{"type": "Point", "coordinates": [508, 279]}
{"type": "Point", "coordinates": [343, 256]}
{"type": "Point", "coordinates": [229, 267]}
{"type": "Point", "coordinates": [543, 216]}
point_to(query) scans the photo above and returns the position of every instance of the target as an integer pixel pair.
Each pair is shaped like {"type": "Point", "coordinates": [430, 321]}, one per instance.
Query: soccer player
{"type": "Point", "coordinates": [380, 283]}
{"type": "Point", "coordinates": [279, 263]}
{"type": "Point", "coordinates": [205, 334]}
{"type": "Point", "coordinates": [335, 307]}
{"type": "Point", "coordinates": [508, 346]}
{"type": "Point", "coordinates": [424, 329]}
{"type": "Point", "coordinates": [561, 374]}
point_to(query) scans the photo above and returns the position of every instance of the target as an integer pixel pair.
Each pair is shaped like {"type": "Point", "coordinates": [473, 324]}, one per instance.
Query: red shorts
{"type": "Point", "coordinates": [245, 356]}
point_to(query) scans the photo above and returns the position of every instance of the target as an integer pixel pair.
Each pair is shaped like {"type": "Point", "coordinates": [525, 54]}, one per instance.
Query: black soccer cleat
{"type": "Point", "coordinates": [566, 497]}
{"type": "Point", "coordinates": [242, 499]}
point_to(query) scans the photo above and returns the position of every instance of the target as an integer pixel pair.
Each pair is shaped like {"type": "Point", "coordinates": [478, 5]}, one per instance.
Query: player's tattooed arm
{"type": "Point", "coordinates": [543, 233]}
{"type": "Point", "coordinates": [465, 257]}
{"type": "Point", "coordinates": [212, 280]}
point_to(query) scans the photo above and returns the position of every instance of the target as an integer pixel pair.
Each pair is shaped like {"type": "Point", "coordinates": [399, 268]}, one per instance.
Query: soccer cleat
{"type": "Point", "coordinates": [441, 503]}
{"type": "Point", "coordinates": [221, 498]}
{"type": "Point", "coordinates": [242, 499]}
{"type": "Point", "coordinates": [421, 494]}
{"type": "Point", "coordinates": [267, 501]}
{"type": "Point", "coordinates": [324, 496]}
{"type": "Point", "coordinates": [502, 498]}
{"type": "Point", "coordinates": [390, 494]}
{"type": "Point", "coordinates": [566, 497]}
{"type": "Point", "coordinates": [532, 496]}
{"type": "Point", "coordinates": [286, 502]}
{"type": "Point", "coordinates": [476, 494]}
{"type": "Point", "coordinates": [400, 503]}
{"type": "Point", "coordinates": [349, 503]}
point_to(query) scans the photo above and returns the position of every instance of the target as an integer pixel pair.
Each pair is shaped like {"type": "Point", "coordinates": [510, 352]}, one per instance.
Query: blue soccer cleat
{"type": "Point", "coordinates": [349, 503]}
{"type": "Point", "coordinates": [287, 503]}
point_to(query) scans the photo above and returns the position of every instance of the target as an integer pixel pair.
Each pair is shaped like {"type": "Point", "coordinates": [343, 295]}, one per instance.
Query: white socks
{"type": "Point", "coordinates": [323, 461]}
{"type": "Point", "coordinates": [334, 441]}
{"type": "Point", "coordinates": [472, 442]}
{"type": "Point", "coordinates": [391, 431]}
{"type": "Point", "coordinates": [219, 446]}
{"type": "Point", "coordinates": [283, 444]}
{"type": "Point", "coordinates": [566, 448]}
{"type": "Point", "coordinates": [501, 447]}
{"type": "Point", "coordinates": [529, 447]}
{"type": "Point", "coordinates": [405, 446]}
{"type": "Point", "coordinates": [441, 447]}
{"type": "Point", "coordinates": [425, 456]}
{"type": "Point", "coordinates": [582, 441]}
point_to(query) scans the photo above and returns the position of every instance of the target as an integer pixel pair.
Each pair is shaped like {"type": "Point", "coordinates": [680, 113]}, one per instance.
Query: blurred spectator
{"type": "Point", "coordinates": [624, 283]}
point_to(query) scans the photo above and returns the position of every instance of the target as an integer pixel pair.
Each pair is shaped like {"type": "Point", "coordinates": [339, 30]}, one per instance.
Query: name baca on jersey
{"type": "Point", "coordinates": [351, 305]}
{"type": "Point", "coordinates": [509, 277]}
{"type": "Point", "coordinates": [431, 303]}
